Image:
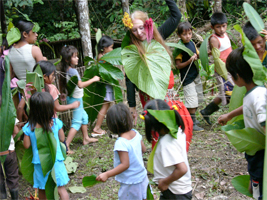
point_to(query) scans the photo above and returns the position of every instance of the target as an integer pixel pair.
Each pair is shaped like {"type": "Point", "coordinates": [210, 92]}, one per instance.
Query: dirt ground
{"type": "Point", "coordinates": [213, 162]}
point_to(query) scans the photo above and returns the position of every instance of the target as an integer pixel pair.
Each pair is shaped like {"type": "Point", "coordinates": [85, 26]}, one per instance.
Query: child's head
{"type": "Point", "coordinates": [256, 40]}
{"type": "Point", "coordinates": [239, 68]}
{"type": "Point", "coordinates": [48, 70]}
{"type": "Point", "coordinates": [152, 124]}
{"type": "Point", "coordinates": [25, 28]}
{"type": "Point", "coordinates": [41, 110]}
{"type": "Point", "coordinates": [184, 31]}
{"type": "Point", "coordinates": [105, 44]}
{"type": "Point", "coordinates": [219, 23]}
{"type": "Point", "coordinates": [119, 119]}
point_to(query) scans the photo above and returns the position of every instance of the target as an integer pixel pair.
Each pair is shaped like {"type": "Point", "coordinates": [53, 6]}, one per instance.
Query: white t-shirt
{"type": "Point", "coordinates": [169, 152]}
{"type": "Point", "coordinates": [12, 143]}
{"type": "Point", "coordinates": [78, 92]}
{"type": "Point", "coordinates": [254, 108]}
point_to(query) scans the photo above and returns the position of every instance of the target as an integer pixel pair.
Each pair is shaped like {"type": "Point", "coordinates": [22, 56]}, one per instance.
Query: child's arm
{"type": "Point", "coordinates": [143, 146]}
{"type": "Point", "coordinates": [61, 108]}
{"type": "Point", "coordinates": [20, 110]}
{"type": "Point", "coordinates": [26, 141]}
{"type": "Point", "coordinates": [181, 65]}
{"type": "Point", "coordinates": [214, 43]}
{"type": "Point", "coordinates": [124, 158]}
{"type": "Point", "coordinates": [89, 82]}
{"type": "Point", "coordinates": [61, 135]}
{"type": "Point", "coordinates": [15, 131]}
{"type": "Point", "coordinates": [178, 172]}
{"type": "Point", "coordinates": [223, 119]}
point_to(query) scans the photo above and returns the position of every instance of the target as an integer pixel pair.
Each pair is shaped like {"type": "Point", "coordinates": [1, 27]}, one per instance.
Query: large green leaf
{"type": "Point", "coordinates": [113, 57]}
{"type": "Point", "coordinates": [13, 36]}
{"type": "Point", "coordinates": [7, 112]}
{"type": "Point", "coordinates": [27, 167]}
{"type": "Point", "coordinates": [89, 181]}
{"type": "Point", "coordinates": [219, 65]}
{"type": "Point", "coordinates": [93, 94]}
{"type": "Point", "coordinates": [251, 56]}
{"type": "Point", "coordinates": [71, 85]}
{"type": "Point", "coordinates": [51, 191]}
{"type": "Point", "coordinates": [203, 54]}
{"type": "Point", "coordinates": [77, 189]}
{"type": "Point", "coordinates": [36, 78]}
{"type": "Point", "coordinates": [98, 35]}
{"type": "Point", "coordinates": [126, 40]}
{"type": "Point", "coordinates": [265, 167]}
{"type": "Point", "coordinates": [149, 195]}
{"type": "Point", "coordinates": [241, 184]}
{"type": "Point", "coordinates": [87, 60]}
{"type": "Point", "coordinates": [150, 162]}
{"type": "Point", "coordinates": [151, 73]}
{"type": "Point", "coordinates": [108, 68]}
{"type": "Point", "coordinates": [47, 147]}
{"type": "Point", "coordinates": [247, 140]}
{"type": "Point", "coordinates": [166, 117]}
{"type": "Point", "coordinates": [20, 150]}
{"type": "Point", "coordinates": [254, 17]}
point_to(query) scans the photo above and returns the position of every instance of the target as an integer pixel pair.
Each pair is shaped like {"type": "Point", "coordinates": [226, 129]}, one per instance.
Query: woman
{"type": "Point", "coordinates": [138, 34]}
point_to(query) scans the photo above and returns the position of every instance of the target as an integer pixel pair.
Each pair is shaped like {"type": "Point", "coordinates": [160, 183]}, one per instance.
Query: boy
{"type": "Point", "coordinates": [191, 81]}
{"type": "Point", "coordinates": [221, 41]}
{"type": "Point", "coordinates": [254, 112]}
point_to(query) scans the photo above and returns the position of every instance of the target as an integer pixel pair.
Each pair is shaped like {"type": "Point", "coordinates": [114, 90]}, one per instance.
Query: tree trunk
{"type": "Point", "coordinates": [182, 7]}
{"type": "Point", "coordinates": [217, 7]}
{"type": "Point", "coordinates": [248, 1]}
{"type": "Point", "coordinates": [125, 6]}
{"type": "Point", "coordinates": [83, 16]}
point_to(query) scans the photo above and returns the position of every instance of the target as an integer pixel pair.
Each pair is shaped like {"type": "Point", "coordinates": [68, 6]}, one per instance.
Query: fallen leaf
{"type": "Point", "coordinates": [200, 195]}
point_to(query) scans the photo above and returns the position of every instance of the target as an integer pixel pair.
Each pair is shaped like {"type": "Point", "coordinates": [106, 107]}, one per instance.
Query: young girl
{"type": "Point", "coordinates": [41, 113]}
{"type": "Point", "coordinates": [80, 118]}
{"type": "Point", "coordinates": [129, 167]}
{"type": "Point", "coordinates": [104, 46]}
{"type": "Point", "coordinates": [171, 168]}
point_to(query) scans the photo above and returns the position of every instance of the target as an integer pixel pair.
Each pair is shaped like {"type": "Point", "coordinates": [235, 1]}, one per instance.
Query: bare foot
{"type": "Point", "coordinates": [98, 132]}
{"type": "Point", "coordinates": [70, 152]}
{"type": "Point", "coordinates": [89, 140]}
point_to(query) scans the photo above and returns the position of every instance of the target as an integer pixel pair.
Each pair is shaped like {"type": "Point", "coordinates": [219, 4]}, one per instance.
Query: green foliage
{"type": "Point", "coordinates": [149, 194]}
{"type": "Point", "coordinates": [150, 162]}
{"type": "Point", "coordinates": [247, 140]}
{"type": "Point", "coordinates": [203, 54]}
{"type": "Point", "coordinates": [113, 57]}
{"type": "Point", "coordinates": [7, 112]}
{"type": "Point", "coordinates": [71, 85]}
{"type": "Point", "coordinates": [36, 79]}
{"type": "Point", "coordinates": [13, 36]}
{"type": "Point", "coordinates": [254, 17]}
{"type": "Point", "coordinates": [71, 166]}
{"type": "Point", "coordinates": [151, 72]}
{"type": "Point", "coordinates": [19, 148]}
{"type": "Point", "coordinates": [241, 184]}
{"type": "Point", "coordinates": [77, 189]}
{"type": "Point", "coordinates": [89, 181]}
{"type": "Point", "coordinates": [27, 167]}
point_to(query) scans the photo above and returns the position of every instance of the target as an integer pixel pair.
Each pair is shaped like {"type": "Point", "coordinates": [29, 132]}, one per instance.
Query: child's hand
{"type": "Point", "coordinates": [194, 57]}
{"type": "Point", "coordinates": [162, 186]}
{"type": "Point", "coordinates": [223, 119]}
{"type": "Point", "coordinates": [102, 177]}
{"type": "Point", "coordinates": [264, 32]}
{"type": "Point", "coordinates": [76, 104]}
{"type": "Point", "coordinates": [96, 78]}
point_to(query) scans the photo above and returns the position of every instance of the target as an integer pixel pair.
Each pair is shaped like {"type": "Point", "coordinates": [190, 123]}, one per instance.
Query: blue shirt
{"type": "Point", "coordinates": [136, 171]}
{"type": "Point", "coordinates": [55, 128]}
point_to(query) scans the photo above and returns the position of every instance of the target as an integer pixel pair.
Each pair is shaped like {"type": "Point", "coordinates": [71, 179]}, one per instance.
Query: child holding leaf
{"type": "Point", "coordinates": [170, 163]}
{"type": "Point", "coordinates": [129, 167]}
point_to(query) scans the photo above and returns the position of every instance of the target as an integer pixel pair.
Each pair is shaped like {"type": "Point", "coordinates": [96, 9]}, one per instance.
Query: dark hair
{"type": "Point", "coordinates": [184, 26]}
{"type": "Point", "coordinates": [4, 45]}
{"type": "Point", "coordinates": [237, 65]}
{"type": "Point", "coordinates": [105, 41]}
{"type": "Point", "coordinates": [250, 31]}
{"type": "Point", "coordinates": [66, 52]}
{"type": "Point", "coordinates": [47, 68]}
{"type": "Point", "coordinates": [218, 18]}
{"type": "Point", "coordinates": [41, 110]}
{"type": "Point", "coordinates": [119, 119]}
{"type": "Point", "coordinates": [152, 124]}
{"type": "Point", "coordinates": [24, 26]}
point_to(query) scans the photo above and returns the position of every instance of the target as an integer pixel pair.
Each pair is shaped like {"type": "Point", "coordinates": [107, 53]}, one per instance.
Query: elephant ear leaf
{"type": "Point", "coordinates": [72, 83]}
{"type": "Point", "coordinates": [241, 184]}
{"type": "Point", "coordinates": [203, 54]}
{"type": "Point", "coordinates": [252, 58]}
{"type": "Point", "coordinates": [254, 17]}
{"type": "Point", "coordinates": [13, 36]}
{"type": "Point", "coordinates": [149, 72]}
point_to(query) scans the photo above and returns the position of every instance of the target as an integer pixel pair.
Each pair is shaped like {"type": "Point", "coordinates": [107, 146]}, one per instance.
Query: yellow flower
{"type": "Point", "coordinates": [127, 20]}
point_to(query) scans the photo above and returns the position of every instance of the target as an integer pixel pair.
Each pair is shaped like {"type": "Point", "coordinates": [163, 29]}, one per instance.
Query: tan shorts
{"type": "Point", "coordinates": [193, 93]}
{"type": "Point", "coordinates": [220, 84]}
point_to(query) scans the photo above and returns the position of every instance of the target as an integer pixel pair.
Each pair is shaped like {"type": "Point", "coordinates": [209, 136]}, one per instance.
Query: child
{"type": "Point", "coordinates": [49, 71]}
{"type": "Point", "coordinates": [104, 46]}
{"type": "Point", "coordinates": [221, 41]}
{"type": "Point", "coordinates": [171, 168]}
{"type": "Point", "coordinates": [11, 170]}
{"type": "Point", "coordinates": [254, 112]}
{"type": "Point", "coordinates": [41, 113]}
{"type": "Point", "coordinates": [129, 167]}
{"type": "Point", "coordinates": [191, 81]}
{"type": "Point", "coordinates": [80, 118]}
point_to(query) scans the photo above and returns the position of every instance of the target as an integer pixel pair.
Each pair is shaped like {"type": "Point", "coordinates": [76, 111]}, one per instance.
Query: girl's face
{"type": "Point", "coordinates": [186, 36]}
{"type": "Point", "coordinates": [108, 49]}
{"type": "Point", "coordinates": [30, 37]}
{"type": "Point", "coordinates": [138, 29]}
{"type": "Point", "coordinates": [49, 79]}
{"type": "Point", "coordinates": [74, 59]}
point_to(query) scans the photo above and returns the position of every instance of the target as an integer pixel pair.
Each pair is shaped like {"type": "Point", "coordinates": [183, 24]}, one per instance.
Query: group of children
{"type": "Point", "coordinates": [171, 167]}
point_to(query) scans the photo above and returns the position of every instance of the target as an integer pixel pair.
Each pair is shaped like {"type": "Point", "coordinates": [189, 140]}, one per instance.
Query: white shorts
{"type": "Point", "coordinates": [193, 93]}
